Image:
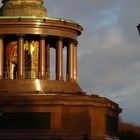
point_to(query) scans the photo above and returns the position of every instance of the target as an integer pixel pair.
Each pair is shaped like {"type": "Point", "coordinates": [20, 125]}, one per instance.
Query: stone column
{"type": "Point", "coordinates": [70, 62]}
{"type": "Point", "coordinates": [1, 58]}
{"type": "Point", "coordinates": [42, 59]}
{"type": "Point", "coordinates": [20, 58]}
{"type": "Point", "coordinates": [59, 59]}
{"type": "Point", "coordinates": [75, 63]}
{"type": "Point", "coordinates": [48, 61]}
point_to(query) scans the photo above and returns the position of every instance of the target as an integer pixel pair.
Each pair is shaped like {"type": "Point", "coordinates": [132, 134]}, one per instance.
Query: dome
{"type": "Point", "coordinates": [23, 8]}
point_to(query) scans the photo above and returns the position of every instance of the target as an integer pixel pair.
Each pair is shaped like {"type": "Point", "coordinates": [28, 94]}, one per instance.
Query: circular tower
{"type": "Point", "coordinates": [27, 37]}
{"type": "Point", "coordinates": [37, 102]}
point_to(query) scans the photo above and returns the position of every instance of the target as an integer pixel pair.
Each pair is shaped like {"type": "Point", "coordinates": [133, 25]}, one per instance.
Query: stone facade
{"type": "Point", "coordinates": [72, 117]}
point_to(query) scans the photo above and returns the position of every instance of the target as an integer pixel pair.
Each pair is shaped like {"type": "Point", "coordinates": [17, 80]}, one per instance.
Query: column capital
{"type": "Point", "coordinates": [2, 36]}
{"type": "Point", "coordinates": [61, 37]}
{"type": "Point", "coordinates": [20, 35]}
{"type": "Point", "coordinates": [75, 42]}
{"type": "Point", "coordinates": [43, 36]}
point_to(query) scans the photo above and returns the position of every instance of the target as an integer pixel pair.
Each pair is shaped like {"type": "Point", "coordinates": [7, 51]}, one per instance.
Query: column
{"type": "Point", "coordinates": [1, 58]}
{"type": "Point", "coordinates": [70, 62]}
{"type": "Point", "coordinates": [48, 61]}
{"type": "Point", "coordinates": [20, 58]}
{"type": "Point", "coordinates": [42, 58]}
{"type": "Point", "coordinates": [59, 59]}
{"type": "Point", "coordinates": [75, 63]}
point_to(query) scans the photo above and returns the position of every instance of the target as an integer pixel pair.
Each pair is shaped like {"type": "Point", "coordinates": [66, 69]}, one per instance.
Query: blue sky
{"type": "Point", "coordinates": [109, 49]}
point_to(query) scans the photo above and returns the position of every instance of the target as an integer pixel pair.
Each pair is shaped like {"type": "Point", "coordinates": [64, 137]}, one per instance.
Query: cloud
{"type": "Point", "coordinates": [109, 60]}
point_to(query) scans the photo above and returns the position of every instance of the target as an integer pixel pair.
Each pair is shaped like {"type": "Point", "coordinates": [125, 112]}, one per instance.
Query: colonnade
{"type": "Point", "coordinates": [44, 59]}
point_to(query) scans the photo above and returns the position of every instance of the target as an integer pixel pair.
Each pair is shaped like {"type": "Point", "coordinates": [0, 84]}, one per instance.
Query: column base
{"type": "Point", "coordinates": [41, 77]}
{"type": "Point", "coordinates": [59, 78]}
{"type": "Point", "coordinates": [69, 79]}
{"type": "Point", "coordinates": [20, 77]}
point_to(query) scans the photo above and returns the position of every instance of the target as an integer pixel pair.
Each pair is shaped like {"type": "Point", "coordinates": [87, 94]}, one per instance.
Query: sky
{"type": "Point", "coordinates": [108, 49]}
